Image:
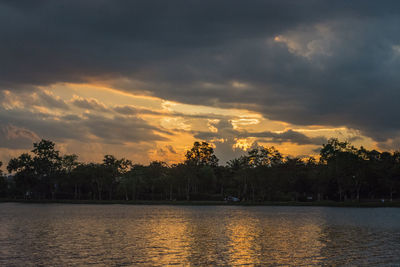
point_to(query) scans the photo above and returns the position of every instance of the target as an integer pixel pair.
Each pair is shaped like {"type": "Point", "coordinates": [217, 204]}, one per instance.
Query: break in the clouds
{"type": "Point", "coordinates": [312, 62]}
{"type": "Point", "coordinates": [225, 137]}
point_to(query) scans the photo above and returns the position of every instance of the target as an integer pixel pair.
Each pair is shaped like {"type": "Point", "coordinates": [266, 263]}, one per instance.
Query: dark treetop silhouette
{"type": "Point", "coordinates": [342, 173]}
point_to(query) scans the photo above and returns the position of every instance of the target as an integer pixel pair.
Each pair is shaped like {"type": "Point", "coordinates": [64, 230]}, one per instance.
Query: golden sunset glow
{"type": "Point", "coordinates": [150, 97]}
{"type": "Point", "coordinates": [222, 133]}
{"type": "Point", "coordinates": [176, 123]}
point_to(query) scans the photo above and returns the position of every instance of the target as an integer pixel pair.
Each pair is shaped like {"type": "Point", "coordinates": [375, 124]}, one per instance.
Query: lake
{"type": "Point", "coordinates": [124, 235]}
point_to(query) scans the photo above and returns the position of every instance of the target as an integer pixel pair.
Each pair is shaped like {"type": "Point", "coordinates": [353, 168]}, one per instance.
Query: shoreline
{"type": "Point", "coordinates": [347, 204]}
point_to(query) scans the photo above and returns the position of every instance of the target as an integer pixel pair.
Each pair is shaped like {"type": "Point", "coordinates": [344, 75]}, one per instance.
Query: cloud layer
{"type": "Point", "coordinates": [306, 63]}
{"type": "Point", "coordinates": [31, 119]}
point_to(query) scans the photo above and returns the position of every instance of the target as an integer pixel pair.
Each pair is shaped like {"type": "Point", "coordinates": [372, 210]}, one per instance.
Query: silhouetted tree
{"type": "Point", "coordinates": [47, 166]}
{"type": "Point", "coordinates": [198, 161]}
{"type": "Point", "coordinates": [25, 177]}
{"type": "Point", "coordinates": [113, 169]}
{"type": "Point", "coordinates": [201, 154]}
{"type": "Point", "coordinates": [343, 172]}
{"type": "Point", "coordinates": [3, 182]}
{"type": "Point", "coordinates": [69, 163]}
{"type": "Point", "coordinates": [132, 182]}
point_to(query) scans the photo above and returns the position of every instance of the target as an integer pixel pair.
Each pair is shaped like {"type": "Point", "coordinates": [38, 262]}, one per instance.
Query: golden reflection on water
{"type": "Point", "coordinates": [243, 235]}
{"type": "Point", "coordinates": [167, 239]}
{"type": "Point", "coordinates": [81, 235]}
{"type": "Point", "coordinates": [243, 238]}
{"type": "Point", "coordinates": [259, 241]}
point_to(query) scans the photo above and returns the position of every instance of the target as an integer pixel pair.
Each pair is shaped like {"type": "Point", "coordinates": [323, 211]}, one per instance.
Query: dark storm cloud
{"type": "Point", "coordinates": [90, 104]}
{"type": "Point", "coordinates": [126, 110]}
{"type": "Point", "coordinates": [37, 98]}
{"type": "Point", "coordinates": [131, 110]}
{"type": "Point", "coordinates": [42, 125]}
{"type": "Point", "coordinates": [289, 136]}
{"type": "Point", "coordinates": [19, 128]}
{"type": "Point", "coordinates": [122, 129]}
{"type": "Point", "coordinates": [274, 137]}
{"type": "Point", "coordinates": [334, 63]}
{"type": "Point", "coordinates": [49, 100]}
{"type": "Point", "coordinates": [226, 138]}
{"type": "Point", "coordinates": [16, 138]}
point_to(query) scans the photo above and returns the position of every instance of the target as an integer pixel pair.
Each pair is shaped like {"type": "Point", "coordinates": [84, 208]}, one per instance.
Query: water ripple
{"type": "Point", "coordinates": [118, 235]}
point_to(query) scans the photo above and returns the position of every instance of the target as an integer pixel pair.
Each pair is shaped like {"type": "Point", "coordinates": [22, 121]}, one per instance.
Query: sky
{"type": "Point", "coordinates": [145, 79]}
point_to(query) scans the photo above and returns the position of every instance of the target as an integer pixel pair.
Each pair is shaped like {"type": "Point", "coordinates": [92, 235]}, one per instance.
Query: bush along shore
{"type": "Point", "coordinates": [349, 204]}
{"type": "Point", "coordinates": [343, 176]}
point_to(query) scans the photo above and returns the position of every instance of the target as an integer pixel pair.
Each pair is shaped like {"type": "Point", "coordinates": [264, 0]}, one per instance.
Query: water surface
{"type": "Point", "coordinates": [124, 235]}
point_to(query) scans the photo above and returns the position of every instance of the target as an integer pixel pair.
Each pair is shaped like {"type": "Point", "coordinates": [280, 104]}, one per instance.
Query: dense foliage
{"type": "Point", "coordinates": [343, 172]}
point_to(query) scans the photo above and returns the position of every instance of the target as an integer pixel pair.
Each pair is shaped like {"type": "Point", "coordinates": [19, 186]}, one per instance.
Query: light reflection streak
{"type": "Point", "coordinates": [118, 235]}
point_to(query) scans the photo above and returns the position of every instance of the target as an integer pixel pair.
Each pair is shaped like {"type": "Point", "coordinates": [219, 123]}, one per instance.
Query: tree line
{"type": "Point", "coordinates": [343, 172]}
